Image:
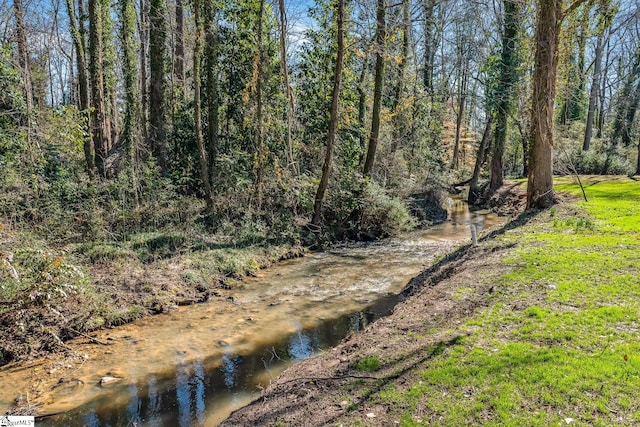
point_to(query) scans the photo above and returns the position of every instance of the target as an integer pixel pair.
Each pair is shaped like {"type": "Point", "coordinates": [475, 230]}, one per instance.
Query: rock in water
{"type": "Point", "coordinates": [108, 380]}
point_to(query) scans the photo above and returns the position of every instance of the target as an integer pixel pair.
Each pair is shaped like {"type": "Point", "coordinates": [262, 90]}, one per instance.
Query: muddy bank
{"type": "Point", "coordinates": [340, 386]}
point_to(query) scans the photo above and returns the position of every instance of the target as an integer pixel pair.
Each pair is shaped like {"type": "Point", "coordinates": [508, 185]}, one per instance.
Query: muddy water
{"type": "Point", "coordinates": [196, 365]}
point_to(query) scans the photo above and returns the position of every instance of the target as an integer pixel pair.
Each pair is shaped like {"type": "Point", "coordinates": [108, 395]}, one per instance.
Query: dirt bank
{"type": "Point", "coordinates": [340, 386]}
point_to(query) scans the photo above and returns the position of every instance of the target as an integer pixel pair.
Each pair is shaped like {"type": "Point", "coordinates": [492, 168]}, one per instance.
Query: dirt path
{"type": "Point", "coordinates": [337, 388]}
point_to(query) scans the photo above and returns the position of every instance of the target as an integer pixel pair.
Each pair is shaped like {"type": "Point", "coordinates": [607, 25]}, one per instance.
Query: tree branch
{"type": "Point", "coordinates": [576, 4]}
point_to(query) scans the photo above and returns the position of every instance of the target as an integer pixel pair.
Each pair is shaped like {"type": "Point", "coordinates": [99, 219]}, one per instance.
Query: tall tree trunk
{"type": "Point", "coordinates": [157, 89]}
{"type": "Point", "coordinates": [377, 89]}
{"type": "Point", "coordinates": [179, 49]}
{"type": "Point", "coordinates": [540, 193]}
{"type": "Point", "coordinates": [508, 77]}
{"type": "Point", "coordinates": [130, 75]}
{"type": "Point", "coordinates": [462, 98]}
{"type": "Point", "coordinates": [212, 91]}
{"type": "Point", "coordinates": [398, 130]}
{"type": "Point", "coordinates": [23, 59]}
{"type": "Point", "coordinates": [259, 76]}
{"type": "Point", "coordinates": [101, 130]}
{"type": "Point", "coordinates": [429, 48]}
{"type": "Point", "coordinates": [593, 93]}
{"type": "Point", "coordinates": [143, 29]}
{"type": "Point", "coordinates": [362, 107]}
{"type": "Point", "coordinates": [197, 113]}
{"type": "Point", "coordinates": [333, 118]}
{"type": "Point", "coordinates": [474, 193]}
{"type": "Point", "coordinates": [78, 35]}
{"type": "Point", "coordinates": [291, 161]}
{"type": "Point", "coordinates": [109, 72]}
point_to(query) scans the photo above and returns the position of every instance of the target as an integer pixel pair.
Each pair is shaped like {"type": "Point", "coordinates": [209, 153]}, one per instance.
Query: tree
{"type": "Point", "coordinates": [291, 161]}
{"type": "Point", "coordinates": [100, 123]}
{"type": "Point", "coordinates": [540, 193]}
{"type": "Point", "coordinates": [23, 59]}
{"type": "Point", "coordinates": [78, 35]}
{"type": "Point", "coordinates": [429, 48]}
{"type": "Point", "coordinates": [508, 69]}
{"type": "Point", "coordinates": [197, 106]}
{"type": "Point", "coordinates": [377, 88]}
{"type": "Point", "coordinates": [333, 119]}
{"type": "Point", "coordinates": [130, 75]}
{"type": "Point", "coordinates": [157, 87]}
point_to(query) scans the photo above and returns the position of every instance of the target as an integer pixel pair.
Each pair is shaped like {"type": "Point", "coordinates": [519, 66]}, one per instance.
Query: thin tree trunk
{"type": "Point", "coordinates": [78, 35]}
{"type": "Point", "coordinates": [428, 45]}
{"type": "Point", "coordinates": [593, 94]}
{"type": "Point", "coordinates": [23, 61]}
{"type": "Point", "coordinates": [377, 89]}
{"type": "Point", "coordinates": [603, 92]}
{"type": "Point", "coordinates": [144, 88]}
{"type": "Point", "coordinates": [101, 131]}
{"type": "Point", "coordinates": [480, 158]}
{"type": "Point", "coordinates": [197, 113]}
{"type": "Point", "coordinates": [333, 119]}
{"type": "Point", "coordinates": [289, 90]}
{"type": "Point", "coordinates": [259, 75]}
{"type": "Point", "coordinates": [462, 98]}
{"type": "Point", "coordinates": [212, 95]}
{"type": "Point", "coordinates": [508, 77]}
{"type": "Point", "coordinates": [402, 67]}
{"type": "Point", "coordinates": [179, 49]}
{"type": "Point", "coordinates": [157, 102]}
{"type": "Point", "coordinates": [362, 107]}
{"type": "Point", "coordinates": [130, 75]}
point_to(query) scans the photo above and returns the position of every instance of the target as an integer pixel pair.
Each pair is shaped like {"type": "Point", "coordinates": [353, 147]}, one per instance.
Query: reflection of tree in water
{"type": "Point", "coordinates": [230, 367]}
{"type": "Point", "coordinates": [190, 388]}
{"type": "Point", "coordinates": [134, 406]}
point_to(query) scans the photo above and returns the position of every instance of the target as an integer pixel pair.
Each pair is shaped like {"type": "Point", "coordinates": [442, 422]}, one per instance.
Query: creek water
{"type": "Point", "coordinates": [198, 364]}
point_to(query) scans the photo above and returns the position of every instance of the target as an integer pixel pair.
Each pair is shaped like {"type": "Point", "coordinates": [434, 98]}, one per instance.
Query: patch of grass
{"type": "Point", "coordinates": [368, 364]}
{"type": "Point", "coordinates": [561, 340]}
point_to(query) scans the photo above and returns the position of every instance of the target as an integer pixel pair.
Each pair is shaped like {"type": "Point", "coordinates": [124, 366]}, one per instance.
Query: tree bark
{"type": "Point", "coordinates": [377, 89]}
{"type": "Point", "coordinates": [23, 56]}
{"type": "Point", "coordinates": [100, 123]}
{"type": "Point", "coordinates": [291, 161]}
{"type": "Point", "coordinates": [179, 49]}
{"type": "Point", "coordinates": [143, 30]}
{"type": "Point", "coordinates": [333, 119]}
{"type": "Point", "coordinates": [78, 35]}
{"type": "Point", "coordinates": [197, 110]}
{"type": "Point", "coordinates": [157, 89]}
{"type": "Point", "coordinates": [259, 76]}
{"type": "Point", "coordinates": [462, 98]}
{"type": "Point", "coordinates": [402, 67]}
{"type": "Point", "coordinates": [211, 87]}
{"type": "Point", "coordinates": [429, 49]}
{"type": "Point", "coordinates": [593, 93]}
{"type": "Point", "coordinates": [508, 77]}
{"type": "Point", "coordinates": [130, 75]}
{"type": "Point", "coordinates": [482, 149]}
{"type": "Point", "coordinates": [540, 192]}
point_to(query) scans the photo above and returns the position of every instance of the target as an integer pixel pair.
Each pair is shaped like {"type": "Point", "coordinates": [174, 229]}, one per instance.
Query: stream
{"type": "Point", "coordinates": [194, 366]}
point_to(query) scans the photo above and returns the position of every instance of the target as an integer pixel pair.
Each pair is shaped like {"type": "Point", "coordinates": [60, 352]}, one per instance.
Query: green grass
{"type": "Point", "coordinates": [560, 343]}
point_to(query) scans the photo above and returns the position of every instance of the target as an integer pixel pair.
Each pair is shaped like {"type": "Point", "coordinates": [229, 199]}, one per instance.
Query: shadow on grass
{"type": "Point", "coordinates": [454, 260]}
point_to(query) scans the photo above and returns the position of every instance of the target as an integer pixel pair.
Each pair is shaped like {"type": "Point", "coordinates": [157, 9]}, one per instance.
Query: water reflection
{"type": "Point", "coordinates": [181, 378]}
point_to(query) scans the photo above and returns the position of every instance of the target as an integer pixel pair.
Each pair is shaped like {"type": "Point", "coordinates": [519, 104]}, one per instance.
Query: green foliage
{"type": "Point", "coordinates": [559, 340]}
{"type": "Point", "coordinates": [368, 364]}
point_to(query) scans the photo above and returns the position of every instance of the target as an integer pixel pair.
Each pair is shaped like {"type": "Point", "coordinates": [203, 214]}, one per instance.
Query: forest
{"type": "Point", "coordinates": [131, 132]}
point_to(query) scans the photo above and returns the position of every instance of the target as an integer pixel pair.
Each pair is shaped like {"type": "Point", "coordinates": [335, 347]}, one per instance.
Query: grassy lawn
{"type": "Point", "coordinates": [560, 341]}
